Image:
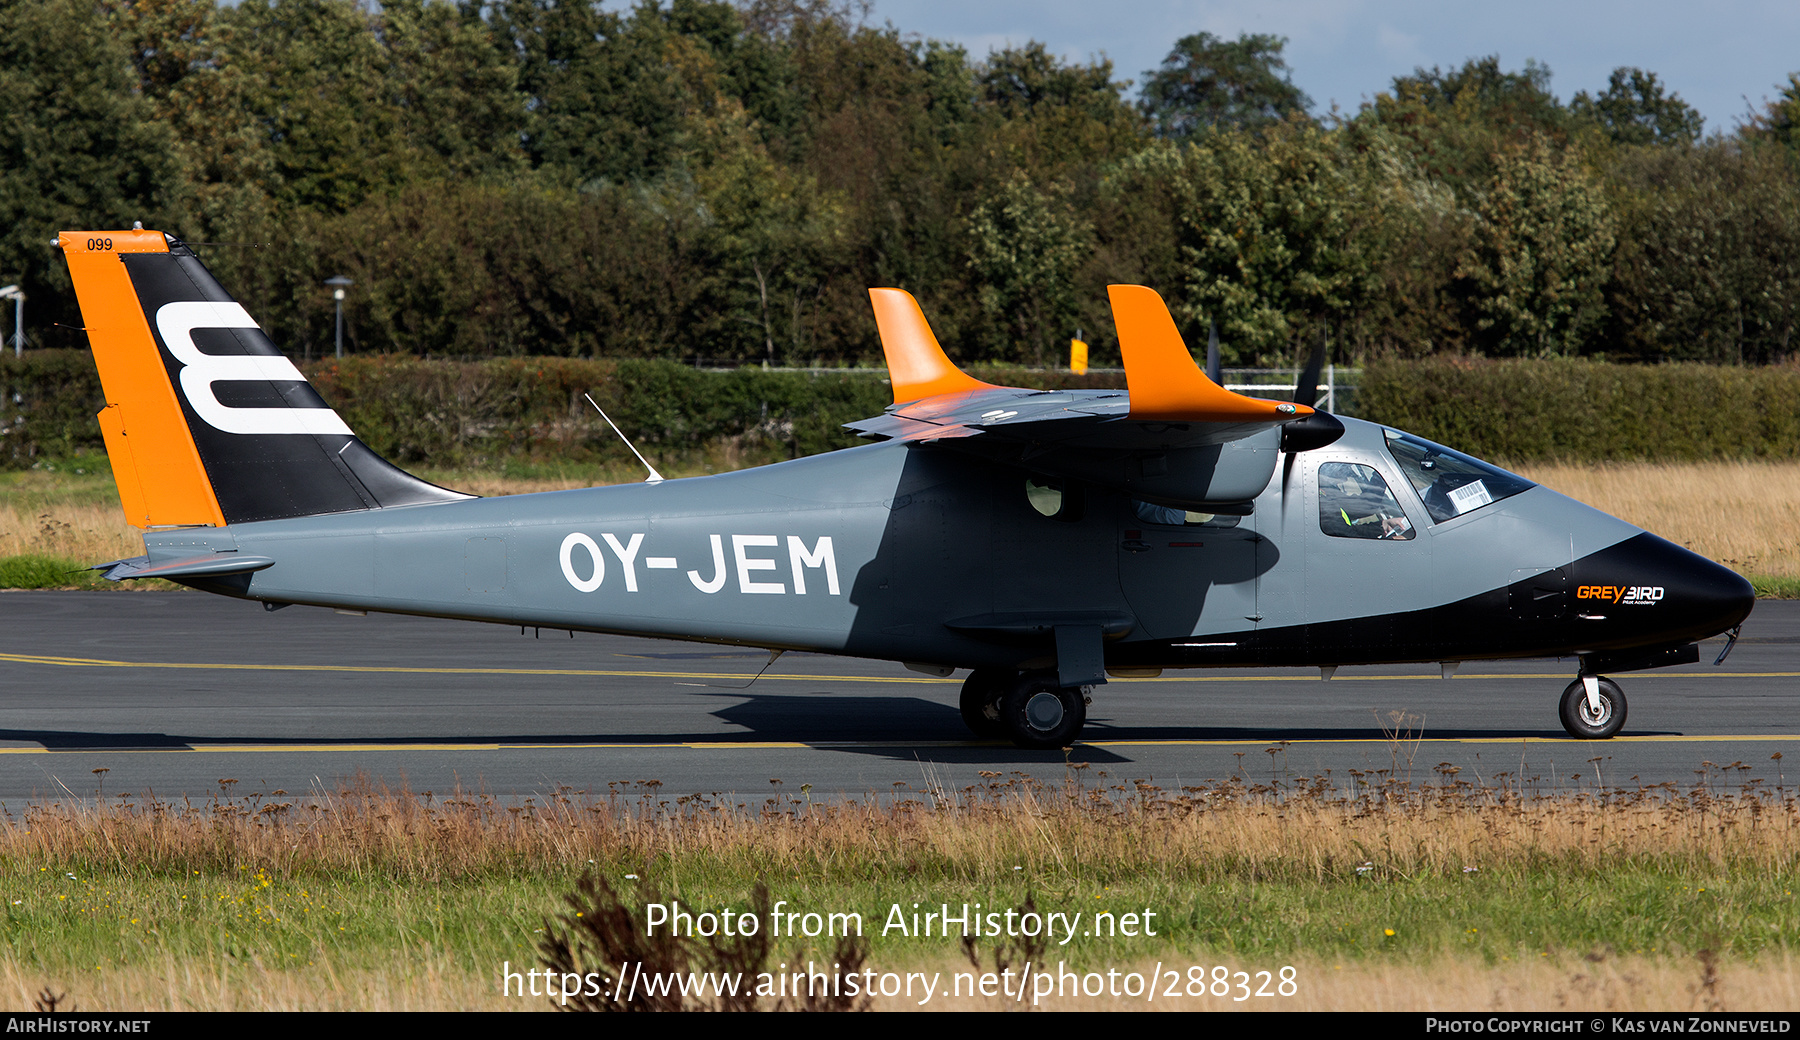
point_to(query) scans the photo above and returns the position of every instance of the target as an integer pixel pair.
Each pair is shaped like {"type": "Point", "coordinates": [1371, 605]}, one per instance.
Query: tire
{"type": "Point", "coordinates": [981, 694]}
{"type": "Point", "coordinates": [1037, 713]}
{"type": "Point", "coordinates": [1583, 724]}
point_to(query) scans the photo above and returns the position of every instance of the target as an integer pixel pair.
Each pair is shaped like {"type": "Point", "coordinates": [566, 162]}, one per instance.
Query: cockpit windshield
{"type": "Point", "coordinates": [1449, 482]}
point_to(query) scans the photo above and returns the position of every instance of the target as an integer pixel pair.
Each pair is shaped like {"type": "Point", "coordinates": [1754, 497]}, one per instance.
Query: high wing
{"type": "Point", "coordinates": [1175, 437]}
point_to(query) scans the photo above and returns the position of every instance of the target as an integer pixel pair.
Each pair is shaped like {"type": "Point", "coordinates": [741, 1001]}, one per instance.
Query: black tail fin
{"type": "Point", "coordinates": [166, 336]}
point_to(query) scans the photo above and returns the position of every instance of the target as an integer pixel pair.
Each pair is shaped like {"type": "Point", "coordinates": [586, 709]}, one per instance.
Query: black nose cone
{"type": "Point", "coordinates": [1660, 592]}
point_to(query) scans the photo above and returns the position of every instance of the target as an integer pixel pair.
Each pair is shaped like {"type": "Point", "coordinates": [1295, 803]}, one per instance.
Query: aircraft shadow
{"type": "Point", "coordinates": [890, 727]}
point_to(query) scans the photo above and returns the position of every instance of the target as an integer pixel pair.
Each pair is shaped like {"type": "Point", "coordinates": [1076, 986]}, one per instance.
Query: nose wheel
{"type": "Point", "coordinates": [1593, 714]}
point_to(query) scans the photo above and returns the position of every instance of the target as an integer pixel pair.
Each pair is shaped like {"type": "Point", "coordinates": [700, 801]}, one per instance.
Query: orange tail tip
{"type": "Point", "coordinates": [917, 366]}
{"type": "Point", "coordinates": [1164, 381]}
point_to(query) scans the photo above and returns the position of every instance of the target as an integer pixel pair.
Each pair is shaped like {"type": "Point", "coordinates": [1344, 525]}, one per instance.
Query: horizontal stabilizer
{"type": "Point", "coordinates": [205, 565]}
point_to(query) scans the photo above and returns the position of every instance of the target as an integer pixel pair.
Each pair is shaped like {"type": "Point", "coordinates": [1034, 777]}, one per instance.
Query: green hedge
{"type": "Point", "coordinates": [48, 400]}
{"type": "Point", "coordinates": [1585, 411]}
{"type": "Point", "coordinates": [454, 414]}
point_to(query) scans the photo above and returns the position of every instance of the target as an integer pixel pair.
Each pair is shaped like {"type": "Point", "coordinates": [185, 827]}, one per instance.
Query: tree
{"type": "Point", "coordinates": [1024, 246]}
{"type": "Point", "coordinates": [1207, 82]}
{"type": "Point", "coordinates": [1708, 264]}
{"type": "Point", "coordinates": [1543, 242]}
{"type": "Point", "coordinates": [1510, 98]}
{"type": "Point", "coordinates": [1634, 110]}
{"type": "Point", "coordinates": [1264, 229]}
{"type": "Point", "coordinates": [79, 148]}
{"type": "Point", "coordinates": [1044, 113]}
{"type": "Point", "coordinates": [1456, 122]}
{"type": "Point", "coordinates": [1779, 121]}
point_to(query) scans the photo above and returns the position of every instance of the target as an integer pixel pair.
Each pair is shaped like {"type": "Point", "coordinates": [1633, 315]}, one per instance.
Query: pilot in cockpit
{"type": "Point", "coordinates": [1354, 502]}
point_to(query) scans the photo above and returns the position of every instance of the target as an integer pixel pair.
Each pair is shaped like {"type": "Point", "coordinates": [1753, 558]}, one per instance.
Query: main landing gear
{"type": "Point", "coordinates": [1028, 708]}
{"type": "Point", "coordinates": [1593, 708]}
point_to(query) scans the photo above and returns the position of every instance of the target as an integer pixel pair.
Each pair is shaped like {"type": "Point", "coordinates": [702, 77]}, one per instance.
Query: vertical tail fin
{"type": "Point", "coordinates": [206, 422]}
{"type": "Point", "coordinates": [917, 365]}
{"type": "Point", "coordinates": [1164, 382]}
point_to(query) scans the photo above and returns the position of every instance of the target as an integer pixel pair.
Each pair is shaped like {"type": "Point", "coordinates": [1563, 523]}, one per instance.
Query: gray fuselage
{"type": "Point", "coordinates": [921, 554]}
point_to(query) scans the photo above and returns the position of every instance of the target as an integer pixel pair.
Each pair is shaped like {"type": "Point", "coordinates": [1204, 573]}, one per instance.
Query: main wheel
{"type": "Point", "coordinates": [1037, 713]}
{"type": "Point", "coordinates": [981, 694]}
{"type": "Point", "coordinates": [1584, 722]}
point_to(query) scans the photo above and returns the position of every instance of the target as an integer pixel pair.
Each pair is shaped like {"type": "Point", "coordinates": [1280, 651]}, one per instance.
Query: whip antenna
{"type": "Point", "coordinates": [654, 477]}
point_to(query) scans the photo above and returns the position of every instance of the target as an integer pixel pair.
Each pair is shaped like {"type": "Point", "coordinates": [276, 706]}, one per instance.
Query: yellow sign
{"type": "Point", "coordinates": [1077, 357]}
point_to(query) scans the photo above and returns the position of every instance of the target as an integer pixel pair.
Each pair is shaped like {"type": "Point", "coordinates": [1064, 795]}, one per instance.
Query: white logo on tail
{"type": "Point", "coordinates": [177, 322]}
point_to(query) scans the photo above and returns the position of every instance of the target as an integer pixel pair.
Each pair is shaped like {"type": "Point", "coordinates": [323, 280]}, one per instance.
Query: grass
{"type": "Point", "coordinates": [1746, 515]}
{"type": "Point", "coordinates": [423, 896]}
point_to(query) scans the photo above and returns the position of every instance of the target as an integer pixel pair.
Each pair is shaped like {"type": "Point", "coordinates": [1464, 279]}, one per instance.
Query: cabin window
{"type": "Point", "coordinates": [1449, 482]}
{"type": "Point", "coordinates": [1354, 502]}
{"type": "Point", "coordinates": [1056, 501]}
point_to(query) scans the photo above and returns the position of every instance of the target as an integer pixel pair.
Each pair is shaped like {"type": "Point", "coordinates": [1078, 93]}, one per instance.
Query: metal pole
{"type": "Point", "coordinates": [17, 296]}
{"type": "Point", "coordinates": [338, 284]}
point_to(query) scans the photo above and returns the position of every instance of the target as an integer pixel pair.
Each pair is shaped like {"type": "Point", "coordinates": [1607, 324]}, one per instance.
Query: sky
{"type": "Point", "coordinates": [1721, 56]}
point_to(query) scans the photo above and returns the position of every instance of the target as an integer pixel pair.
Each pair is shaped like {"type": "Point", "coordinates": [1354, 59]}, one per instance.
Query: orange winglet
{"type": "Point", "coordinates": [1164, 382]}
{"type": "Point", "coordinates": [917, 366]}
{"type": "Point", "coordinates": [160, 476]}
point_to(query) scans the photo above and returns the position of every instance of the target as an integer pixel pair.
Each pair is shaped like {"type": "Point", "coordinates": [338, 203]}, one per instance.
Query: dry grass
{"type": "Point", "coordinates": [1591, 982]}
{"type": "Point", "coordinates": [75, 531]}
{"type": "Point", "coordinates": [1299, 849]}
{"type": "Point", "coordinates": [426, 982]}
{"type": "Point", "coordinates": [1302, 829]}
{"type": "Point", "coordinates": [1746, 515]}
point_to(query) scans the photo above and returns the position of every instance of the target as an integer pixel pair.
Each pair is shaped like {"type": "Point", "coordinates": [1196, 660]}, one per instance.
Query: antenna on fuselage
{"type": "Point", "coordinates": [654, 477]}
{"type": "Point", "coordinates": [774, 655]}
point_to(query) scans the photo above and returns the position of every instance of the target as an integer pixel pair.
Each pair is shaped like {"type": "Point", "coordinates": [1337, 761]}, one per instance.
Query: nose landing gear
{"type": "Point", "coordinates": [1593, 708]}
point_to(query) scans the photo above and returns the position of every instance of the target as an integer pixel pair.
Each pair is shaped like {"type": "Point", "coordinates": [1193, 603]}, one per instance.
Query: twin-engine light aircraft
{"type": "Point", "coordinates": [1044, 540]}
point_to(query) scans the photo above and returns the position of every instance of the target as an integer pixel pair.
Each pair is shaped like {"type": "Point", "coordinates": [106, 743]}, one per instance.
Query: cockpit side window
{"type": "Point", "coordinates": [1354, 502]}
{"type": "Point", "coordinates": [1449, 482]}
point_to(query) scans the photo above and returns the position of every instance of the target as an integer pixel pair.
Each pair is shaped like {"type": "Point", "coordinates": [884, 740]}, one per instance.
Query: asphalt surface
{"type": "Point", "coordinates": [174, 692]}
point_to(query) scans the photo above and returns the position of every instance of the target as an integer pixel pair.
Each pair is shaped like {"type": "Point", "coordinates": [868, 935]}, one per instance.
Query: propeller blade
{"type": "Point", "coordinates": [1306, 390]}
{"type": "Point", "coordinates": [1287, 470]}
{"type": "Point", "coordinates": [1318, 429]}
{"type": "Point", "coordinates": [1212, 352]}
